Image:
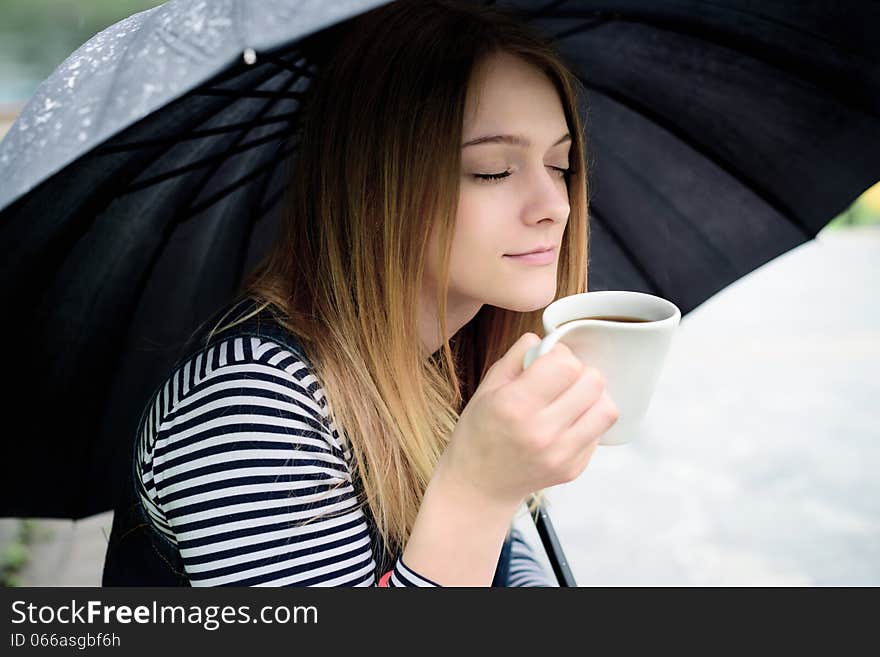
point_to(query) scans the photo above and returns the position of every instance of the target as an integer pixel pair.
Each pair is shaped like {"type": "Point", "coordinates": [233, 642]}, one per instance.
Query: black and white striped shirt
{"type": "Point", "coordinates": [237, 454]}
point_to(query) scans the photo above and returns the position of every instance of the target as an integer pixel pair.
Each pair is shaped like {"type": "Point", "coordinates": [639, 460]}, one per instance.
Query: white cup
{"type": "Point", "coordinates": [629, 355]}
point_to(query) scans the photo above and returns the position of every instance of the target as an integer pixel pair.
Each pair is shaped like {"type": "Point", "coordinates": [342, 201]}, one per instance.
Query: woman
{"type": "Point", "coordinates": [360, 415]}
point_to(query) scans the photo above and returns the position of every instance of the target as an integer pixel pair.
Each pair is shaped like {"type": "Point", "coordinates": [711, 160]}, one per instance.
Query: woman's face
{"type": "Point", "coordinates": [525, 209]}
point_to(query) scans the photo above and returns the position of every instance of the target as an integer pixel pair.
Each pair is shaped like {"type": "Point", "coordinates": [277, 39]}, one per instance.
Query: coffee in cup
{"type": "Point", "coordinates": [611, 318]}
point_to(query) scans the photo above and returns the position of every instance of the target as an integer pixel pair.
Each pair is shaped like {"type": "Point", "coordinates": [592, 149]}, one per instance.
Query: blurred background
{"type": "Point", "coordinates": [758, 458]}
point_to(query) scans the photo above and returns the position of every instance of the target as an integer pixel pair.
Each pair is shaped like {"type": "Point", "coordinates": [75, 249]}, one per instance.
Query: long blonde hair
{"type": "Point", "coordinates": [380, 150]}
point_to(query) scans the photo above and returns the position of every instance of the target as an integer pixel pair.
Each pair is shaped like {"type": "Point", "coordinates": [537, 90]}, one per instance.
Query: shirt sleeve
{"type": "Point", "coordinates": [525, 569]}
{"type": "Point", "coordinates": [254, 487]}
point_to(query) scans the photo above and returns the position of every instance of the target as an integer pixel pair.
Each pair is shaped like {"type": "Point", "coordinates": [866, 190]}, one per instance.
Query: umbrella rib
{"type": "Point", "coordinates": [225, 191]}
{"type": "Point", "coordinates": [195, 134]}
{"type": "Point", "coordinates": [205, 161]}
{"type": "Point", "coordinates": [276, 60]}
{"type": "Point", "coordinates": [660, 121]}
{"type": "Point", "coordinates": [232, 93]}
{"type": "Point", "coordinates": [231, 73]}
{"type": "Point", "coordinates": [283, 63]}
{"type": "Point", "coordinates": [233, 150]}
{"type": "Point", "coordinates": [241, 68]}
{"type": "Point", "coordinates": [232, 127]}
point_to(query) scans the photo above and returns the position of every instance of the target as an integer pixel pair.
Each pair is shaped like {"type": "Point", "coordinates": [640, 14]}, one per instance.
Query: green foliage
{"type": "Point", "coordinates": [860, 213]}
{"type": "Point", "coordinates": [37, 35]}
{"type": "Point", "coordinates": [15, 555]}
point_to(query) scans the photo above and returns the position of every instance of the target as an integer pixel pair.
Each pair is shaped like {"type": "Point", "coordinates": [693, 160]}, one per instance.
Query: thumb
{"type": "Point", "coordinates": [510, 365]}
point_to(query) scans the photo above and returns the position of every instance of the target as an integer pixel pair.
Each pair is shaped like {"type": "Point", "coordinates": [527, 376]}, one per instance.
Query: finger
{"type": "Point", "coordinates": [550, 375]}
{"type": "Point", "coordinates": [509, 366]}
{"type": "Point", "coordinates": [573, 402]}
{"type": "Point", "coordinates": [590, 426]}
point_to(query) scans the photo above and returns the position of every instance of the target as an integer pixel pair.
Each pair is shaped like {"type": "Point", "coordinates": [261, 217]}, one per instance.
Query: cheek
{"type": "Point", "coordinates": [474, 245]}
{"type": "Point", "coordinates": [478, 231]}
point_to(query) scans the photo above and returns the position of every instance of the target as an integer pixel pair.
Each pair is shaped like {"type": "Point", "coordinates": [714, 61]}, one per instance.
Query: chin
{"type": "Point", "coordinates": [528, 303]}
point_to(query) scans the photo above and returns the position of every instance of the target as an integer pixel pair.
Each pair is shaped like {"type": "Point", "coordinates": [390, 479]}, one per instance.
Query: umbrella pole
{"type": "Point", "coordinates": [552, 546]}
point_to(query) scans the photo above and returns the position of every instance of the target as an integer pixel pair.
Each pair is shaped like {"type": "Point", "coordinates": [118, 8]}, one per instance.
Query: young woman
{"type": "Point", "coordinates": [359, 416]}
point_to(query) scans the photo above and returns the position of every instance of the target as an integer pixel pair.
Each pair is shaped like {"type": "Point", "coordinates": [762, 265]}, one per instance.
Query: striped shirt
{"type": "Point", "coordinates": [240, 466]}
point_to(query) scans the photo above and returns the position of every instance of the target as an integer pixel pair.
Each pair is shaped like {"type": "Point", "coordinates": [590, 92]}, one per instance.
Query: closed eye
{"type": "Point", "coordinates": [496, 177]}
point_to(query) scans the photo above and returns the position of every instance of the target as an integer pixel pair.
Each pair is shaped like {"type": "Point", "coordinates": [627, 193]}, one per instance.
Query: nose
{"type": "Point", "coordinates": [548, 197]}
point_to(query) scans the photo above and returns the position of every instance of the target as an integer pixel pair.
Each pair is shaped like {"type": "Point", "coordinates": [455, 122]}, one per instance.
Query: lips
{"type": "Point", "coordinates": [541, 249]}
{"type": "Point", "coordinates": [535, 258]}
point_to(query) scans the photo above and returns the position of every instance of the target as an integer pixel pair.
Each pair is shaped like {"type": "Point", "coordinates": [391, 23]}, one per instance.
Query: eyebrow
{"type": "Point", "coordinates": [514, 140]}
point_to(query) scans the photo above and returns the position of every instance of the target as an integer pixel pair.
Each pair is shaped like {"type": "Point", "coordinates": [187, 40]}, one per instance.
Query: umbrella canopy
{"type": "Point", "coordinates": [143, 180]}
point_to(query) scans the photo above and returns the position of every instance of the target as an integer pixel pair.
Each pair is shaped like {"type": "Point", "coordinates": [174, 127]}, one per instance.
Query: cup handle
{"type": "Point", "coordinates": [541, 348]}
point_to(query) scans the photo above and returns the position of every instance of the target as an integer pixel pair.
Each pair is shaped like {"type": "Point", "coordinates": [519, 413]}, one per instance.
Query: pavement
{"type": "Point", "coordinates": [756, 465]}
{"type": "Point", "coordinates": [67, 552]}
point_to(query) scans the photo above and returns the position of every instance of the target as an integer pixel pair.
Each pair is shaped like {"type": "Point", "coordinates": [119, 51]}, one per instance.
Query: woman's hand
{"type": "Point", "coordinates": [524, 430]}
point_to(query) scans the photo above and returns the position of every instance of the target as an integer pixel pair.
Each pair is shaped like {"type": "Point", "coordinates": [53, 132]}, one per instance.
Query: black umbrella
{"type": "Point", "coordinates": [142, 182]}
